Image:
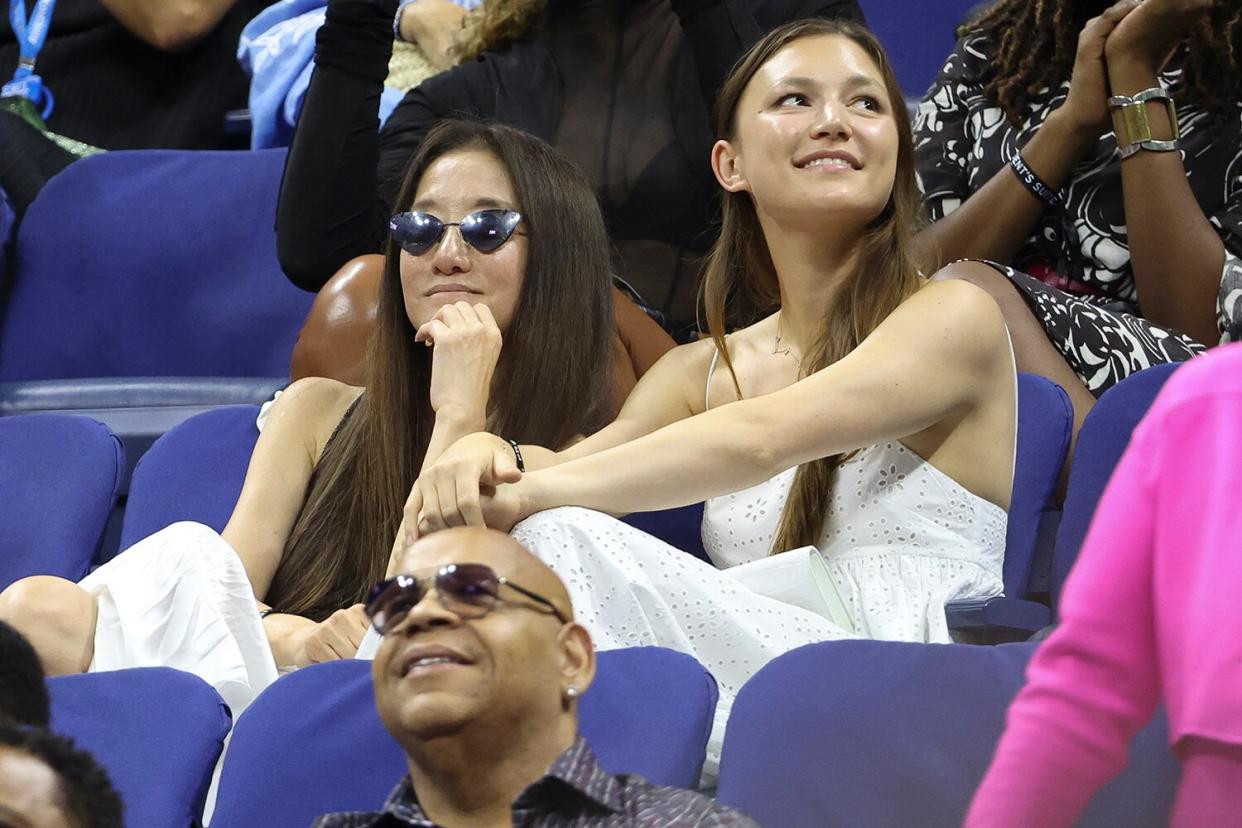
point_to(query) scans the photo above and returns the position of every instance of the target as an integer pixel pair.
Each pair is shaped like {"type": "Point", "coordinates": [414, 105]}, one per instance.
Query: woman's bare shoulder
{"type": "Point", "coordinates": [311, 408]}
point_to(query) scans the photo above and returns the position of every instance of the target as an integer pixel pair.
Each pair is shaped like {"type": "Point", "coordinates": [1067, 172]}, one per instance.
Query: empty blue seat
{"type": "Point", "coordinates": [313, 743]}
{"type": "Point", "coordinates": [892, 735]}
{"type": "Point", "coordinates": [152, 263]}
{"type": "Point", "coordinates": [145, 288]}
{"type": "Point", "coordinates": [1102, 440]}
{"type": "Point", "coordinates": [59, 477]}
{"type": "Point", "coordinates": [158, 732]}
{"type": "Point", "coordinates": [193, 472]}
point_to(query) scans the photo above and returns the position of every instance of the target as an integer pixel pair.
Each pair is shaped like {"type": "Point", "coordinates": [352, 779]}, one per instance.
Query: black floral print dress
{"type": "Point", "coordinates": [1074, 271]}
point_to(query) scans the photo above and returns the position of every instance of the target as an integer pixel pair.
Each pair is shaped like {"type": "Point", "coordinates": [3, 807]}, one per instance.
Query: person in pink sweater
{"type": "Point", "coordinates": [1151, 614]}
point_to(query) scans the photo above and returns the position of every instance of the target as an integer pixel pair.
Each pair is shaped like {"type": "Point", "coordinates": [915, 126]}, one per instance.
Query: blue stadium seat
{"type": "Point", "coordinates": [146, 288]}
{"type": "Point", "coordinates": [193, 472]}
{"type": "Point", "coordinates": [312, 743]}
{"type": "Point", "coordinates": [917, 35]}
{"type": "Point", "coordinates": [157, 731]}
{"type": "Point", "coordinates": [892, 735]}
{"type": "Point", "coordinates": [1045, 422]}
{"type": "Point", "coordinates": [1102, 440]}
{"type": "Point", "coordinates": [59, 475]}
{"type": "Point", "coordinates": [681, 528]}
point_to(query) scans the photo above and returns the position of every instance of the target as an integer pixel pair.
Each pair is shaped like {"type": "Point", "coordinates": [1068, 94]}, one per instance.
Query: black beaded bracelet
{"type": "Point", "coordinates": [1033, 182]}
{"type": "Point", "coordinates": [517, 452]}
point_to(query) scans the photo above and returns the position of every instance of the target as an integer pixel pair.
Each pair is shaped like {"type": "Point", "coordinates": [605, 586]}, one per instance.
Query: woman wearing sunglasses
{"type": "Point", "coordinates": [865, 415]}
{"type": "Point", "coordinates": [500, 240]}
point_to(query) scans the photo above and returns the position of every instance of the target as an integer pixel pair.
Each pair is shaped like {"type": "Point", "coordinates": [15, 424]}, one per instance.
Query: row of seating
{"type": "Point", "coordinates": [843, 733]}
{"type": "Point", "coordinates": [64, 475]}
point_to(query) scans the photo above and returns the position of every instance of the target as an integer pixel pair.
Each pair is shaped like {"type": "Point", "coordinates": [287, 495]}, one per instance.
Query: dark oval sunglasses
{"type": "Point", "coordinates": [468, 590]}
{"type": "Point", "coordinates": [484, 230]}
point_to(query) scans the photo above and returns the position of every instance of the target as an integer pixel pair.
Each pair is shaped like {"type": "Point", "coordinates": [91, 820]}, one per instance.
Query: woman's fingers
{"type": "Point", "coordinates": [485, 316]}
{"type": "Point", "coordinates": [356, 626]}
{"type": "Point", "coordinates": [430, 331]}
{"type": "Point", "coordinates": [467, 489]}
{"type": "Point", "coordinates": [429, 517]}
{"type": "Point", "coordinates": [504, 467]}
{"type": "Point", "coordinates": [446, 494]}
{"type": "Point", "coordinates": [413, 508]}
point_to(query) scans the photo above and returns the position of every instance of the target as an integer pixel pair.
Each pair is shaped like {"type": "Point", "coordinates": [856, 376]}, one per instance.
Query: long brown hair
{"type": "Point", "coordinates": [740, 268]}
{"type": "Point", "coordinates": [551, 384]}
{"type": "Point", "coordinates": [1035, 42]}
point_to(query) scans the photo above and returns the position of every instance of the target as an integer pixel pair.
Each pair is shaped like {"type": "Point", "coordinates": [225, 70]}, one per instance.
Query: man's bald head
{"type": "Point", "coordinates": [444, 670]}
{"type": "Point", "coordinates": [501, 552]}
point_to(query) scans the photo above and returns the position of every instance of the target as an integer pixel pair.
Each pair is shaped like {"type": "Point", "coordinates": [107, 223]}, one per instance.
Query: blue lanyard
{"type": "Point", "coordinates": [31, 35]}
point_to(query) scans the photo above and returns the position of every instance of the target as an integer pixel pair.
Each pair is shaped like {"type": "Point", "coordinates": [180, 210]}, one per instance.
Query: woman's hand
{"type": "Point", "coordinates": [1086, 106]}
{"type": "Point", "coordinates": [434, 25]}
{"type": "Point", "coordinates": [465, 342]}
{"type": "Point", "coordinates": [448, 492]}
{"type": "Point", "coordinates": [1145, 39]}
{"type": "Point", "coordinates": [336, 637]}
{"type": "Point", "coordinates": [499, 507]}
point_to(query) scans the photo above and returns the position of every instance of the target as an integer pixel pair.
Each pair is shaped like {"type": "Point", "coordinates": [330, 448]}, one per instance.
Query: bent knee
{"type": "Point", "coordinates": [42, 600]}
{"type": "Point", "coordinates": [987, 278]}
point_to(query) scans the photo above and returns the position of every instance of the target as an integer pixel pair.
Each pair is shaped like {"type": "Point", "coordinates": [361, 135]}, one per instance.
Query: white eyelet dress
{"type": "Point", "coordinates": [901, 538]}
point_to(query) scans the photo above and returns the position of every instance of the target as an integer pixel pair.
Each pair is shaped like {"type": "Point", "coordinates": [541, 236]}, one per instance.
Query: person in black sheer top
{"type": "Point", "coordinates": [622, 87]}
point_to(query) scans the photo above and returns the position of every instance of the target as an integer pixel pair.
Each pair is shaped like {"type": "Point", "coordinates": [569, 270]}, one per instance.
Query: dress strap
{"type": "Point", "coordinates": [707, 392]}
{"type": "Point", "coordinates": [344, 419]}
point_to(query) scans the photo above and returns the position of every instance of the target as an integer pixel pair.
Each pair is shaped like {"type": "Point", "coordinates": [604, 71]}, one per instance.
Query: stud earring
{"type": "Point", "coordinates": [572, 691]}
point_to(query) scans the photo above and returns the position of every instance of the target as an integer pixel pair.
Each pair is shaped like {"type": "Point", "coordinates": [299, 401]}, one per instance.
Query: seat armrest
{"type": "Point", "coordinates": [997, 619]}
{"type": "Point", "coordinates": [83, 395]}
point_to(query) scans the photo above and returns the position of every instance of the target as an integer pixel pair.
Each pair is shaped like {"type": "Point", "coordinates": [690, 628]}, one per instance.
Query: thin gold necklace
{"type": "Point", "coordinates": [787, 351]}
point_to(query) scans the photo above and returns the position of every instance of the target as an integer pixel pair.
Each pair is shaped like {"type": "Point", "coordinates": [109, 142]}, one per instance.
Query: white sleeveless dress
{"type": "Point", "coordinates": [901, 538]}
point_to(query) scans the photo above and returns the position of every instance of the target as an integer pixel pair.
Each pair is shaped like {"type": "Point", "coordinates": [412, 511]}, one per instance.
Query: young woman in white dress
{"type": "Point", "coordinates": [516, 247]}
{"type": "Point", "coordinates": [867, 412]}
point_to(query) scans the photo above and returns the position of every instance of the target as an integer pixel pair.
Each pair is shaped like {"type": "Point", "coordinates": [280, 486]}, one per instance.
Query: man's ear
{"type": "Point", "coordinates": [727, 166]}
{"type": "Point", "coordinates": [577, 658]}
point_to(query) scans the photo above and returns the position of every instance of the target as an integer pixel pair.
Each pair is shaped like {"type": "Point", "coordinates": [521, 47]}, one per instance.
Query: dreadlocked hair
{"type": "Point", "coordinates": [496, 23]}
{"type": "Point", "coordinates": [1034, 43]}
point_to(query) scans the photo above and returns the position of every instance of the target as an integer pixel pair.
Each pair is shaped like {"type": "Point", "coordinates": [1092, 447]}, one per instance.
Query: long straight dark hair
{"type": "Point", "coordinates": [740, 269]}
{"type": "Point", "coordinates": [551, 384]}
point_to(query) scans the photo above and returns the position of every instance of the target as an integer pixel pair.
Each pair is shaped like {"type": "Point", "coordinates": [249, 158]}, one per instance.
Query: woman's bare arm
{"type": "Point", "coordinates": [284, 457]}
{"type": "Point", "coordinates": [1176, 256]}
{"type": "Point", "coordinates": [936, 357]}
{"type": "Point", "coordinates": [995, 221]}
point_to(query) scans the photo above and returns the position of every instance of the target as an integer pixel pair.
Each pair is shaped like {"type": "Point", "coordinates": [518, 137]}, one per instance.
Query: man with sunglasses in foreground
{"type": "Point", "coordinates": [478, 677]}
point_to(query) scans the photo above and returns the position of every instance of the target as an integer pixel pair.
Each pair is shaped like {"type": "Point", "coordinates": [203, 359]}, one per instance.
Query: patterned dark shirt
{"type": "Point", "coordinates": [962, 139]}
{"type": "Point", "coordinates": [575, 793]}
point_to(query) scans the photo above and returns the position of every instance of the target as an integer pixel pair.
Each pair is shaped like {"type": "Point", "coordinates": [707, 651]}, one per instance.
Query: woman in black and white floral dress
{"type": "Point", "coordinates": [1116, 264]}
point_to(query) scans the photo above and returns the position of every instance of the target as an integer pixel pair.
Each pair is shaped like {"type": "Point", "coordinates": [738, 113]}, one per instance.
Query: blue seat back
{"type": "Point", "coordinates": [917, 35]}
{"type": "Point", "coordinates": [152, 263]}
{"type": "Point", "coordinates": [193, 472]}
{"type": "Point", "coordinates": [59, 479]}
{"type": "Point", "coordinates": [1102, 440]}
{"type": "Point", "coordinates": [1045, 422]}
{"type": "Point", "coordinates": [313, 743]}
{"type": "Point", "coordinates": [891, 735]}
{"type": "Point", "coordinates": [157, 731]}
{"type": "Point", "coordinates": [681, 528]}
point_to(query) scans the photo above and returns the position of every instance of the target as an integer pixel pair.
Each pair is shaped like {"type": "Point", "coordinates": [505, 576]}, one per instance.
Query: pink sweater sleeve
{"type": "Point", "coordinates": [1093, 683]}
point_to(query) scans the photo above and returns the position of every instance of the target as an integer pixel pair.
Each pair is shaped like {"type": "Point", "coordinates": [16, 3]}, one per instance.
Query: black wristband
{"type": "Point", "coordinates": [1033, 182]}
{"type": "Point", "coordinates": [517, 452]}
